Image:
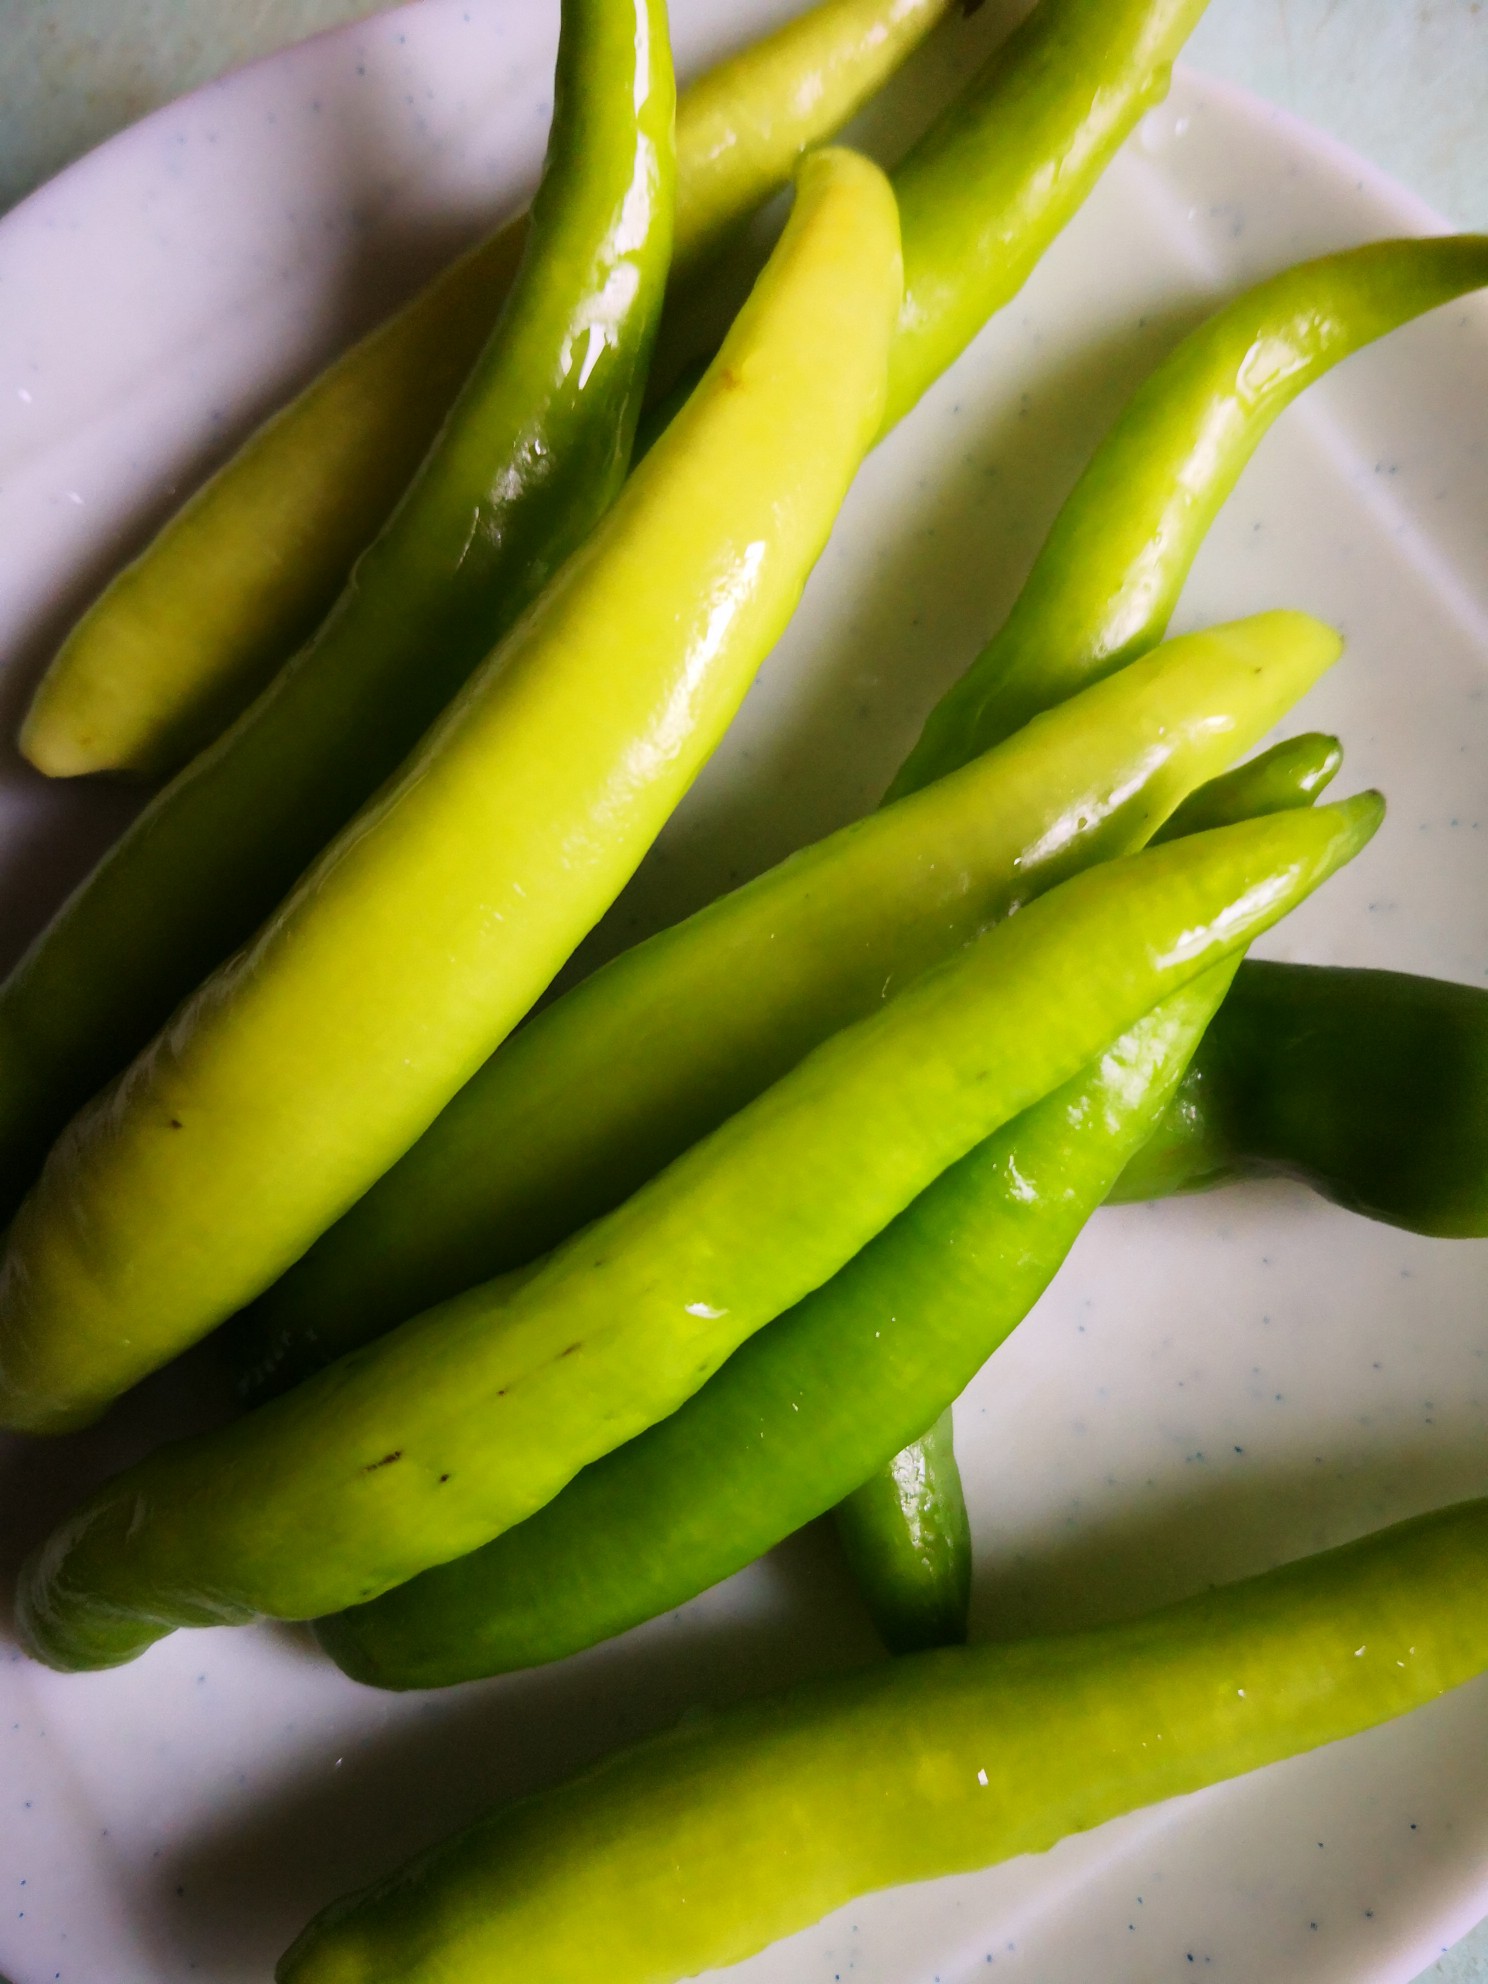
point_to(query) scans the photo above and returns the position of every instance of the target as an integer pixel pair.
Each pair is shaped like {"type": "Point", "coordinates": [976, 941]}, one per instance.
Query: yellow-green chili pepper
{"type": "Point", "coordinates": [803, 1409]}
{"type": "Point", "coordinates": [1108, 577]}
{"type": "Point", "coordinates": [307, 1064]}
{"type": "Point", "coordinates": [1100, 592]}
{"type": "Point", "coordinates": [1370, 1086]}
{"type": "Point", "coordinates": [801, 1413]}
{"type": "Point", "coordinates": [906, 1547]}
{"type": "Point", "coordinates": [209, 859]}
{"type": "Point", "coordinates": [998, 174]}
{"type": "Point", "coordinates": [700, 1846]}
{"type": "Point", "coordinates": [535, 448]}
{"type": "Point", "coordinates": [424, 1445]}
{"type": "Point", "coordinates": [619, 1076]}
{"type": "Point", "coordinates": [184, 639]}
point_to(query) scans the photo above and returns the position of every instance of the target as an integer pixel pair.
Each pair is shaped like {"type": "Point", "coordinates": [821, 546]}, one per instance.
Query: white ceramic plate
{"type": "Point", "coordinates": [1210, 1387]}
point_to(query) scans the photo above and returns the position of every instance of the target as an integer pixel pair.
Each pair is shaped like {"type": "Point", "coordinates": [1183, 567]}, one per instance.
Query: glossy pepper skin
{"type": "Point", "coordinates": [1104, 585]}
{"type": "Point", "coordinates": [311, 1061]}
{"type": "Point", "coordinates": [1101, 592]}
{"type": "Point", "coordinates": [1295, 772]}
{"type": "Point", "coordinates": [188, 634]}
{"type": "Point", "coordinates": [609, 1083]}
{"type": "Point", "coordinates": [535, 448]}
{"type": "Point", "coordinates": [424, 1445]}
{"type": "Point", "coordinates": [1107, 579]}
{"type": "Point", "coordinates": [702, 1845]}
{"type": "Point", "coordinates": [807, 1406]}
{"type": "Point", "coordinates": [906, 1556]}
{"type": "Point", "coordinates": [1369, 1086]}
{"type": "Point", "coordinates": [995, 178]}
{"type": "Point", "coordinates": [907, 1539]}
{"type": "Point", "coordinates": [803, 1413]}
{"type": "Point", "coordinates": [212, 855]}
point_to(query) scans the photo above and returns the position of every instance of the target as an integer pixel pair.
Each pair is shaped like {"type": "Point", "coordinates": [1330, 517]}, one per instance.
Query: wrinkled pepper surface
{"type": "Point", "coordinates": [700, 1846]}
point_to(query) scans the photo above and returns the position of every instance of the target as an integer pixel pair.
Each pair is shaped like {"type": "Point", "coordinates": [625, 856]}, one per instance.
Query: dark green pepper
{"type": "Point", "coordinates": [1369, 1086]}
{"type": "Point", "coordinates": [803, 1412]}
{"type": "Point", "coordinates": [1295, 772]}
{"type": "Point", "coordinates": [907, 1539]}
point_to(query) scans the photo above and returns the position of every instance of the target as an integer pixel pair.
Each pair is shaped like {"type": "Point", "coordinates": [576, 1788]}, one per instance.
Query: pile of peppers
{"type": "Point", "coordinates": [553, 1318]}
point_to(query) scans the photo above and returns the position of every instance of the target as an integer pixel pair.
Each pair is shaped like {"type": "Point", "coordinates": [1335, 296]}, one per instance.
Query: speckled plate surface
{"type": "Point", "coordinates": [1209, 1388]}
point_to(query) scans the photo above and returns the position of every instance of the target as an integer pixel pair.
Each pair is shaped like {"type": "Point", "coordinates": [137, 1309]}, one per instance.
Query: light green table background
{"type": "Point", "coordinates": [1403, 81]}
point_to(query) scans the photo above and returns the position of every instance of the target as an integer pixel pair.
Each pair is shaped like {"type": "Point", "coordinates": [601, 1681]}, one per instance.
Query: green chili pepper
{"type": "Point", "coordinates": [458, 1425]}
{"type": "Point", "coordinates": [1371, 1086]}
{"type": "Point", "coordinates": [536, 447]}
{"type": "Point", "coordinates": [907, 1539]}
{"type": "Point", "coordinates": [596, 1093]}
{"type": "Point", "coordinates": [1108, 577]}
{"type": "Point", "coordinates": [1295, 772]}
{"type": "Point", "coordinates": [1101, 591]}
{"type": "Point", "coordinates": [1099, 588]}
{"type": "Point", "coordinates": [910, 1560]}
{"type": "Point", "coordinates": [1000, 171]}
{"type": "Point", "coordinates": [698, 1847]}
{"type": "Point", "coordinates": [802, 1412]}
{"type": "Point", "coordinates": [304, 1067]}
{"type": "Point", "coordinates": [209, 859]}
{"type": "Point", "coordinates": [184, 639]}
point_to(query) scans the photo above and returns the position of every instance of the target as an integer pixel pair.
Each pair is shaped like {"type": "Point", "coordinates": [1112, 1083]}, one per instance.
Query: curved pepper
{"type": "Point", "coordinates": [311, 1061]}
{"type": "Point", "coordinates": [698, 1847]}
{"type": "Point", "coordinates": [1370, 1086]}
{"type": "Point", "coordinates": [909, 1560]}
{"type": "Point", "coordinates": [424, 1445]}
{"type": "Point", "coordinates": [609, 1083]}
{"type": "Point", "coordinates": [803, 1412]}
{"type": "Point", "coordinates": [1105, 583]}
{"type": "Point", "coordinates": [189, 633]}
{"type": "Point", "coordinates": [537, 445]}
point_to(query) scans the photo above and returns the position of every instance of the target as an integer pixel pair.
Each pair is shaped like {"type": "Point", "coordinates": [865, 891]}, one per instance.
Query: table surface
{"type": "Point", "coordinates": [1402, 81]}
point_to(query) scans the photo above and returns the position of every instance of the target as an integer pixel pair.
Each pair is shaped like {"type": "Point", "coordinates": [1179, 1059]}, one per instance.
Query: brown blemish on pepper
{"type": "Point", "coordinates": [386, 1461]}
